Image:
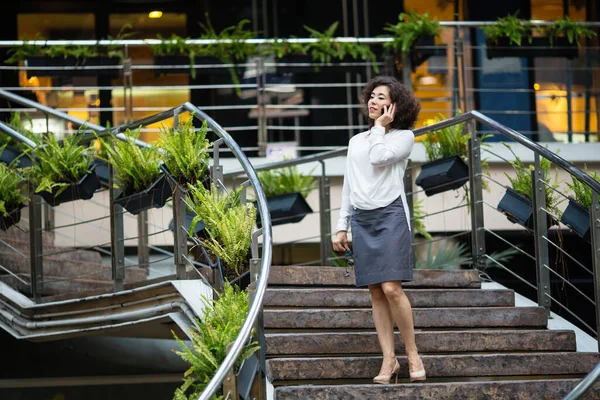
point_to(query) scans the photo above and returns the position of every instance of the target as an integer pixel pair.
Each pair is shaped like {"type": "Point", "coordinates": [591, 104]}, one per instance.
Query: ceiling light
{"type": "Point", "coordinates": [155, 14]}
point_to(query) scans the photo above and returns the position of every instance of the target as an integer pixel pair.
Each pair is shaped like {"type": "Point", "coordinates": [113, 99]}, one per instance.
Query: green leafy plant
{"type": "Point", "coordinates": [220, 327]}
{"type": "Point", "coordinates": [228, 225]}
{"type": "Point", "coordinates": [409, 28]}
{"type": "Point", "coordinates": [286, 180]}
{"type": "Point", "coordinates": [135, 167]}
{"type": "Point", "coordinates": [24, 51]}
{"type": "Point", "coordinates": [446, 142]}
{"type": "Point", "coordinates": [581, 191]}
{"type": "Point", "coordinates": [510, 27]}
{"type": "Point", "coordinates": [11, 194]}
{"type": "Point", "coordinates": [570, 29]}
{"type": "Point", "coordinates": [60, 164]}
{"type": "Point", "coordinates": [280, 47]}
{"type": "Point", "coordinates": [523, 184]}
{"type": "Point", "coordinates": [186, 151]}
{"type": "Point", "coordinates": [448, 256]}
{"type": "Point", "coordinates": [419, 214]}
{"type": "Point", "coordinates": [326, 48]}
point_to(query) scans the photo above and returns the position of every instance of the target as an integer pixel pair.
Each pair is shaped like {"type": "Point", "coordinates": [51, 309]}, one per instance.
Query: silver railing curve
{"type": "Point", "coordinates": [255, 308]}
{"type": "Point", "coordinates": [586, 384]}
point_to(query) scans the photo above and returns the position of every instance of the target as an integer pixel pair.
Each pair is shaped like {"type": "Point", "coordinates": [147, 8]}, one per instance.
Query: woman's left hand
{"type": "Point", "coordinates": [387, 117]}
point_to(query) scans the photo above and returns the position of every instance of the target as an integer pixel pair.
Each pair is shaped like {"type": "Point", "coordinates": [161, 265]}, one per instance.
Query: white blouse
{"type": "Point", "coordinates": [375, 168]}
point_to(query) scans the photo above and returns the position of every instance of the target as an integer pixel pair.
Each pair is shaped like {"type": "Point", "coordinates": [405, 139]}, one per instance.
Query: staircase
{"type": "Point", "coordinates": [321, 341]}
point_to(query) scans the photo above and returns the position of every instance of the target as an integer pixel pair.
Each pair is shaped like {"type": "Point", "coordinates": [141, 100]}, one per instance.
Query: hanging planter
{"type": "Point", "coordinates": [9, 154]}
{"type": "Point", "coordinates": [517, 208]}
{"type": "Point", "coordinates": [286, 208]}
{"type": "Point", "coordinates": [154, 197]}
{"type": "Point", "coordinates": [101, 168]}
{"type": "Point", "coordinates": [442, 175]}
{"type": "Point", "coordinates": [188, 222]}
{"type": "Point", "coordinates": [209, 65]}
{"type": "Point", "coordinates": [75, 66]}
{"type": "Point", "coordinates": [422, 50]}
{"type": "Point", "coordinates": [577, 218]}
{"type": "Point", "coordinates": [82, 190]}
{"type": "Point", "coordinates": [11, 219]}
{"type": "Point", "coordinates": [539, 47]}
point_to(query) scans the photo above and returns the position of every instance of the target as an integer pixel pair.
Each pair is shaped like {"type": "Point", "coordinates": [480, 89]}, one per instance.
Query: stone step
{"type": "Point", "coordinates": [474, 317]}
{"type": "Point", "coordinates": [543, 389]}
{"type": "Point", "coordinates": [20, 239]}
{"type": "Point", "coordinates": [437, 366]}
{"type": "Point", "coordinates": [420, 298]}
{"type": "Point", "coordinates": [334, 276]}
{"type": "Point", "coordinates": [288, 344]}
{"type": "Point", "coordinates": [79, 263]}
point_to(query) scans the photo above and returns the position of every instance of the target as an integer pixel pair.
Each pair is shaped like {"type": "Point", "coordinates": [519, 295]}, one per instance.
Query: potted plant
{"type": "Point", "coordinates": [64, 171]}
{"type": "Point", "coordinates": [513, 37]}
{"type": "Point", "coordinates": [516, 203]}
{"type": "Point", "coordinates": [174, 51]}
{"type": "Point", "coordinates": [137, 173]}
{"type": "Point", "coordinates": [414, 34]}
{"type": "Point", "coordinates": [290, 54]}
{"type": "Point", "coordinates": [576, 216]}
{"type": "Point", "coordinates": [228, 226]}
{"type": "Point", "coordinates": [12, 199]}
{"type": "Point", "coordinates": [221, 324]}
{"type": "Point", "coordinates": [186, 157]}
{"type": "Point", "coordinates": [72, 56]}
{"type": "Point", "coordinates": [446, 168]}
{"type": "Point", "coordinates": [418, 215]}
{"type": "Point", "coordinates": [326, 50]}
{"type": "Point", "coordinates": [14, 152]}
{"type": "Point", "coordinates": [286, 190]}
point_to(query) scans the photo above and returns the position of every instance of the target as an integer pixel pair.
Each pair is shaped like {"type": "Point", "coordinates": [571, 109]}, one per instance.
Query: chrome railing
{"type": "Point", "coordinates": [259, 264]}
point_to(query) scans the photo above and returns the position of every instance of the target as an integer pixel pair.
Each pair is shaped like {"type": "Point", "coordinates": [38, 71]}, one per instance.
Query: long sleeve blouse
{"type": "Point", "coordinates": [374, 174]}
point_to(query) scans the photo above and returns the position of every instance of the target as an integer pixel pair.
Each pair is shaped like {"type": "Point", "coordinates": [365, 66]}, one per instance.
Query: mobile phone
{"type": "Point", "coordinates": [382, 110]}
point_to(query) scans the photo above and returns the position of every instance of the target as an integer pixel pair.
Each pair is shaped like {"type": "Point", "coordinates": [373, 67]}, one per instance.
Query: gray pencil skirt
{"type": "Point", "coordinates": [381, 245]}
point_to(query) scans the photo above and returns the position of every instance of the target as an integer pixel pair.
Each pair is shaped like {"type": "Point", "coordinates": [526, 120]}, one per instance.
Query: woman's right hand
{"type": "Point", "coordinates": [340, 242]}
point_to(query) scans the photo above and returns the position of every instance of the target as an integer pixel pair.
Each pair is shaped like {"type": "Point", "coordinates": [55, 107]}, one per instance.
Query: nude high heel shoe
{"type": "Point", "coordinates": [418, 375]}
{"type": "Point", "coordinates": [385, 379]}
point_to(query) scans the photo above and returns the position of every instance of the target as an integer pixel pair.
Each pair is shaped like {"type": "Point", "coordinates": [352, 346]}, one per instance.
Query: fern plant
{"type": "Point", "coordinates": [581, 191]}
{"type": "Point", "coordinates": [446, 142]}
{"type": "Point", "coordinates": [23, 127]}
{"type": "Point", "coordinates": [570, 29]}
{"type": "Point", "coordinates": [326, 49]}
{"type": "Point", "coordinates": [227, 223]}
{"type": "Point", "coordinates": [60, 164]}
{"type": "Point", "coordinates": [280, 47]}
{"type": "Point", "coordinates": [409, 28]}
{"type": "Point", "coordinates": [419, 214]}
{"type": "Point", "coordinates": [286, 180]}
{"type": "Point", "coordinates": [510, 27]}
{"type": "Point", "coordinates": [220, 327]}
{"type": "Point", "coordinates": [135, 167]}
{"type": "Point", "coordinates": [448, 256]}
{"type": "Point", "coordinates": [24, 51]}
{"type": "Point", "coordinates": [11, 194]}
{"type": "Point", "coordinates": [186, 151]}
{"type": "Point", "coordinates": [523, 184]}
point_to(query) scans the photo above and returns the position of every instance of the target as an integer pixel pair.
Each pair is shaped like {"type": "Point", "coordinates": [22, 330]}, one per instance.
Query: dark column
{"type": "Point", "coordinates": [8, 32]}
{"type": "Point", "coordinates": [101, 32]}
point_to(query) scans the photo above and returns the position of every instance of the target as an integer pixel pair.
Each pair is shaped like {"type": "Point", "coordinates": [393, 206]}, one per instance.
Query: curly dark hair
{"type": "Point", "coordinates": [408, 106]}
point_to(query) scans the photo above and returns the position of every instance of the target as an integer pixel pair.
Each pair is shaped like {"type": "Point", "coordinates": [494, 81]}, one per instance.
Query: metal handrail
{"type": "Point", "coordinates": [468, 116]}
{"type": "Point", "coordinates": [367, 40]}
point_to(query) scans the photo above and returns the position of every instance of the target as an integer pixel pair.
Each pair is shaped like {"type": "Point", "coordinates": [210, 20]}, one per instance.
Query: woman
{"type": "Point", "coordinates": [373, 199]}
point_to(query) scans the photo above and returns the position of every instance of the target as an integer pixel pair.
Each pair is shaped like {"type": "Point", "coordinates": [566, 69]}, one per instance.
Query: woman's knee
{"type": "Point", "coordinates": [392, 290]}
{"type": "Point", "coordinates": [376, 292]}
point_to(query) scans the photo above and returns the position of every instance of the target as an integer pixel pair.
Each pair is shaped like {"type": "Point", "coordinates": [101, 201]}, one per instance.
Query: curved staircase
{"type": "Point", "coordinates": [321, 342]}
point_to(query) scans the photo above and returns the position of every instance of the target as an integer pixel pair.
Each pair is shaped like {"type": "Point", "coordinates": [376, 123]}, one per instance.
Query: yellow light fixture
{"type": "Point", "coordinates": [536, 86]}
{"type": "Point", "coordinates": [155, 14]}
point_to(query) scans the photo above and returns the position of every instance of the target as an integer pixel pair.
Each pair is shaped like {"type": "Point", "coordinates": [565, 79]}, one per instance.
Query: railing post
{"type": "Point", "coordinates": [116, 235]}
{"type": "Point", "coordinates": [230, 384]}
{"type": "Point", "coordinates": [324, 217]}
{"type": "Point", "coordinates": [595, 240]}
{"type": "Point", "coordinates": [476, 195]}
{"type": "Point", "coordinates": [461, 72]}
{"type": "Point", "coordinates": [36, 247]}
{"type": "Point", "coordinates": [540, 229]}
{"type": "Point", "coordinates": [406, 70]}
{"type": "Point", "coordinates": [217, 171]}
{"type": "Point", "coordinates": [179, 232]}
{"type": "Point", "coordinates": [408, 189]}
{"type": "Point", "coordinates": [143, 249]}
{"type": "Point", "coordinates": [260, 382]}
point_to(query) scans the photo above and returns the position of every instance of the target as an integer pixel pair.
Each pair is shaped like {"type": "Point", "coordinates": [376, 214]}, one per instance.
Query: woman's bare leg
{"type": "Point", "coordinates": [402, 313]}
{"type": "Point", "coordinates": [384, 325]}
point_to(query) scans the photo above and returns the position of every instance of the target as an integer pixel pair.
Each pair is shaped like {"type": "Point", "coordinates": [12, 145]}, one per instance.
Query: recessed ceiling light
{"type": "Point", "coordinates": [155, 14]}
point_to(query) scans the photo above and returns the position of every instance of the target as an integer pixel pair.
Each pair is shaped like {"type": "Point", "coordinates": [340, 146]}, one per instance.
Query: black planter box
{"type": "Point", "coordinates": [82, 190]}
{"type": "Point", "coordinates": [311, 69]}
{"type": "Point", "coordinates": [154, 197]}
{"type": "Point", "coordinates": [419, 55]}
{"type": "Point", "coordinates": [11, 219]}
{"type": "Point", "coordinates": [188, 222]}
{"type": "Point", "coordinates": [577, 218]}
{"type": "Point", "coordinates": [11, 153]}
{"type": "Point", "coordinates": [441, 175]}
{"type": "Point", "coordinates": [218, 69]}
{"type": "Point", "coordinates": [286, 208]}
{"type": "Point", "coordinates": [539, 47]}
{"type": "Point", "coordinates": [101, 168]}
{"type": "Point", "coordinates": [73, 64]}
{"type": "Point", "coordinates": [517, 208]}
